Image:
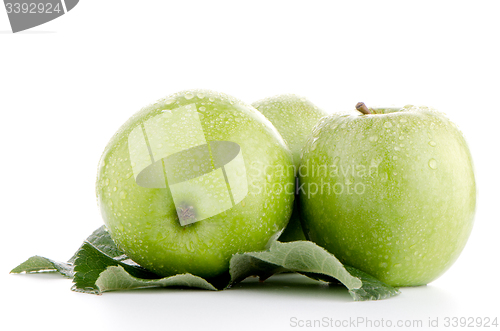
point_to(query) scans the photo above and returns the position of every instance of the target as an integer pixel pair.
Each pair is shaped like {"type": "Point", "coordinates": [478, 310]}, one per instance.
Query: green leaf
{"type": "Point", "coordinates": [299, 256]}
{"type": "Point", "coordinates": [99, 266]}
{"type": "Point", "coordinates": [90, 262]}
{"type": "Point", "coordinates": [372, 289]}
{"type": "Point", "coordinates": [37, 264]}
{"type": "Point", "coordinates": [117, 278]}
{"type": "Point", "coordinates": [96, 272]}
{"type": "Point", "coordinates": [101, 240]}
{"type": "Point", "coordinates": [309, 259]}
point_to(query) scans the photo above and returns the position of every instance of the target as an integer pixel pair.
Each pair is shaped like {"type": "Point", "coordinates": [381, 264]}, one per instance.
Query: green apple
{"type": "Point", "coordinates": [193, 179]}
{"type": "Point", "coordinates": [390, 191]}
{"type": "Point", "coordinates": [294, 117]}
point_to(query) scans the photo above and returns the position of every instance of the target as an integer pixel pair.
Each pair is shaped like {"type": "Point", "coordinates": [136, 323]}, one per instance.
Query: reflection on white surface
{"type": "Point", "coordinates": [251, 305]}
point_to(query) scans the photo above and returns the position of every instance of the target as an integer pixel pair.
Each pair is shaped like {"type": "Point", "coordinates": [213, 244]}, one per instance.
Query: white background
{"type": "Point", "coordinates": [66, 87]}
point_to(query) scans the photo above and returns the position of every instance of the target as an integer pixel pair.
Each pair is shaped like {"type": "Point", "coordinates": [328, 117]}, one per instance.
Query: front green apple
{"type": "Point", "coordinates": [294, 117]}
{"type": "Point", "coordinates": [193, 179]}
{"type": "Point", "coordinates": [391, 193]}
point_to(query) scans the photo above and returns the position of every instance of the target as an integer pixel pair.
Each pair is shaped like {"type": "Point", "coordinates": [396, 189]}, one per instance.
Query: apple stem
{"type": "Point", "coordinates": [361, 107]}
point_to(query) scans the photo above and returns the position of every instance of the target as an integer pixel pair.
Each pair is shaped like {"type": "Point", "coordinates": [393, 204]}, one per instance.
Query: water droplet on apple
{"type": "Point", "coordinates": [200, 95]}
{"type": "Point", "coordinates": [189, 246]}
{"type": "Point", "coordinates": [188, 95]}
{"type": "Point", "coordinates": [383, 264]}
{"type": "Point", "coordinates": [433, 164]}
{"type": "Point", "coordinates": [384, 176]}
{"type": "Point", "coordinates": [432, 143]}
{"type": "Point", "coordinates": [387, 124]}
{"type": "Point", "coordinates": [114, 189]}
{"type": "Point", "coordinates": [314, 144]}
{"type": "Point", "coordinates": [123, 195]}
{"type": "Point", "coordinates": [395, 157]}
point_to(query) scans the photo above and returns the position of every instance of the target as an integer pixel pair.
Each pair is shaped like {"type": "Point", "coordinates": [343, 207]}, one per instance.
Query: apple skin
{"type": "Point", "coordinates": [294, 117]}
{"type": "Point", "coordinates": [406, 219]}
{"type": "Point", "coordinates": [144, 222]}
